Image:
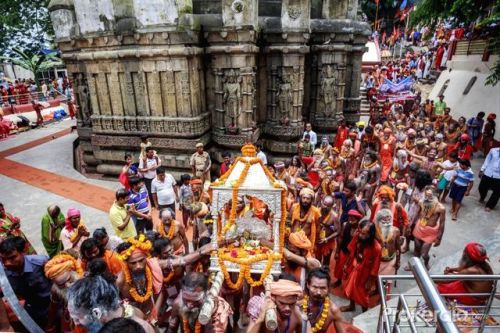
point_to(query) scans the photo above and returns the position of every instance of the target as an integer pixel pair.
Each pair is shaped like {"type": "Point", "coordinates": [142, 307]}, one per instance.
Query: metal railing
{"type": "Point", "coordinates": [428, 310]}
{"type": "Point", "coordinates": [22, 99]}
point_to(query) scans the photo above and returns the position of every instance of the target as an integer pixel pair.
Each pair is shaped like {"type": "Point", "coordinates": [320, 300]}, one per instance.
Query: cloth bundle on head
{"type": "Point", "coordinates": [61, 263]}
{"type": "Point", "coordinates": [72, 212]}
{"type": "Point", "coordinates": [306, 191]}
{"type": "Point", "coordinates": [285, 288]}
{"type": "Point", "coordinates": [300, 240]}
{"type": "Point", "coordinates": [254, 305]}
{"type": "Point", "coordinates": [354, 213]}
{"type": "Point", "coordinates": [473, 250]}
{"type": "Point", "coordinates": [386, 190]}
{"type": "Point", "coordinates": [411, 131]}
{"type": "Point", "coordinates": [360, 123]}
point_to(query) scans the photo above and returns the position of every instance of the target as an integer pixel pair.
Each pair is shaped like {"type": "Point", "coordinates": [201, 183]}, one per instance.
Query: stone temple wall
{"type": "Point", "coordinates": [222, 72]}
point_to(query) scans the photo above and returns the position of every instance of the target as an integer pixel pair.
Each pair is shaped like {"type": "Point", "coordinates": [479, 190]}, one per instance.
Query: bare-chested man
{"type": "Point", "coordinates": [328, 230]}
{"type": "Point", "coordinates": [174, 231]}
{"type": "Point", "coordinates": [429, 224]}
{"type": "Point", "coordinates": [370, 170]}
{"type": "Point", "coordinates": [187, 306]}
{"type": "Point", "coordinates": [473, 261]}
{"type": "Point", "coordinates": [428, 163]}
{"type": "Point", "coordinates": [440, 146]}
{"type": "Point", "coordinates": [284, 297]}
{"type": "Point", "coordinates": [316, 303]}
{"type": "Point", "coordinates": [389, 238]}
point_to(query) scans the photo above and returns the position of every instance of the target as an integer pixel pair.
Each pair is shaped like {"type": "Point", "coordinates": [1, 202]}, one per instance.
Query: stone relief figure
{"type": "Point", "coordinates": [83, 98]}
{"type": "Point", "coordinates": [232, 100]}
{"type": "Point", "coordinates": [329, 90]}
{"type": "Point", "coordinates": [285, 99]}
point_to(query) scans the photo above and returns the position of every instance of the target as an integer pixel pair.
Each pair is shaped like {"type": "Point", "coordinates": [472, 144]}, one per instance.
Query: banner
{"type": "Point", "coordinates": [392, 88]}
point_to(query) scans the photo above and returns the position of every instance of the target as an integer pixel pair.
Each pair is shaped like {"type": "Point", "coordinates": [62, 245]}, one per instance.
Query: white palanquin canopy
{"type": "Point", "coordinates": [256, 177]}
{"type": "Point", "coordinates": [248, 177]}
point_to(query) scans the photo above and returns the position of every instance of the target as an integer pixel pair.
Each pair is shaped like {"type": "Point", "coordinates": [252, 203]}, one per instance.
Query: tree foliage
{"type": "Point", "coordinates": [33, 62]}
{"type": "Point", "coordinates": [24, 25]}
{"type": "Point", "coordinates": [460, 11]}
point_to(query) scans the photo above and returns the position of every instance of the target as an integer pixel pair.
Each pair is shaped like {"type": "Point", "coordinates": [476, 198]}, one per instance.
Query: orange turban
{"type": "Point", "coordinates": [61, 263]}
{"type": "Point", "coordinates": [386, 190]}
{"type": "Point", "coordinates": [285, 288]}
{"type": "Point", "coordinates": [300, 240]}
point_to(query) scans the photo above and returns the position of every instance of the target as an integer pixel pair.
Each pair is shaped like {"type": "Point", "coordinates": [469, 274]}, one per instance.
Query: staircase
{"type": "Point", "coordinates": [365, 105]}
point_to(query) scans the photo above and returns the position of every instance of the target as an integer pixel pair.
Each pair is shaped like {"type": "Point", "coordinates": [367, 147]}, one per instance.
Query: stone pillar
{"type": "Point", "coordinates": [336, 64]}
{"type": "Point", "coordinates": [231, 74]}
{"type": "Point", "coordinates": [328, 84]}
{"type": "Point", "coordinates": [285, 76]}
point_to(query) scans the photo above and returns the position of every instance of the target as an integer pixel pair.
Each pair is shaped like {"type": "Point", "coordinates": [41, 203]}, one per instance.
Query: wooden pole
{"type": "Point", "coordinates": [376, 18]}
{"type": "Point", "coordinates": [208, 306]}
{"type": "Point", "coordinates": [271, 318]}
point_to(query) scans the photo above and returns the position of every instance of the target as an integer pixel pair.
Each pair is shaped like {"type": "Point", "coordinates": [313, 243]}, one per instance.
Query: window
{"type": "Point", "coordinates": [469, 85]}
{"type": "Point", "coordinates": [443, 88]}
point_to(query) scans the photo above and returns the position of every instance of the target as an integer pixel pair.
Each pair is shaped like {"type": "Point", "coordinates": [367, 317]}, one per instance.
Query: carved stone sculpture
{"type": "Point", "coordinates": [329, 91]}
{"type": "Point", "coordinates": [285, 100]}
{"type": "Point", "coordinates": [232, 98]}
{"type": "Point", "coordinates": [83, 99]}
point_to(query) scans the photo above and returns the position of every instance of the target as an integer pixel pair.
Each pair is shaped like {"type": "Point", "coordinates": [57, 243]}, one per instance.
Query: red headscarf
{"type": "Point", "coordinates": [473, 250]}
{"type": "Point", "coordinates": [71, 213]}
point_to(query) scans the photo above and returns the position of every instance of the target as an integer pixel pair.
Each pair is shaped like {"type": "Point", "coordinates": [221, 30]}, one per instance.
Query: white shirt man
{"type": "Point", "coordinates": [313, 138]}
{"type": "Point", "coordinates": [164, 190]}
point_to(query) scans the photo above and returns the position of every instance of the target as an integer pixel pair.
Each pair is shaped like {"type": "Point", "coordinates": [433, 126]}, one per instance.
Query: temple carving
{"type": "Point", "coordinates": [221, 72]}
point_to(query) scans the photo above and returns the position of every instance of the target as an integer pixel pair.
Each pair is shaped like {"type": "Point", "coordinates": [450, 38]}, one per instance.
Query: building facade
{"type": "Point", "coordinates": [222, 72]}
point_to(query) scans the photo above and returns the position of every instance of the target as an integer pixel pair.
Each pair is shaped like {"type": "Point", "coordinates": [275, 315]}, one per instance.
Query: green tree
{"type": "Point", "coordinates": [460, 11]}
{"type": "Point", "coordinates": [24, 25]}
{"type": "Point", "coordinates": [33, 62]}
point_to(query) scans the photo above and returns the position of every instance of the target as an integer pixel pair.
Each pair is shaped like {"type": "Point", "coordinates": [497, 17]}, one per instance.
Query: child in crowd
{"type": "Point", "coordinates": [449, 166]}
{"type": "Point", "coordinates": [461, 184]}
{"type": "Point", "coordinates": [144, 144]}
{"type": "Point", "coordinates": [186, 196]}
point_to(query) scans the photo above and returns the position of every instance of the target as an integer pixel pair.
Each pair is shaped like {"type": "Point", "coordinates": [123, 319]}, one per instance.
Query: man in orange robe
{"type": "Point", "coordinates": [387, 146]}
{"type": "Point", "coordinates": [305, 215]}
{"type": "Point", "coordinates": [342, 134]}
{"type": "Point", "coordinates": [362, 266]}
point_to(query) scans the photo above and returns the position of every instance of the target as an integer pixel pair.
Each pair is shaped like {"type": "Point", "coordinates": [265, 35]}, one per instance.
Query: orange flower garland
{"type": "Point", "coordinates": [133, 291]}
{"type": "Point", "coordinates": [72, 239]}
{"type": "Point", "coordinates": [249, 158]}
{"type": "Point", "coordinates": [170, 233]}
{"type": "Point", "coordinates": [168, 278]}
{"type": "Point", "coordinates": [186, 329]}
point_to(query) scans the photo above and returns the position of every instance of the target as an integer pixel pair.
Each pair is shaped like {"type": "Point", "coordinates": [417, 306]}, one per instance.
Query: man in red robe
{"type": "Point", "coordinates": [342, 134]}
{"type": "Point", "coordinates": [362, 266]}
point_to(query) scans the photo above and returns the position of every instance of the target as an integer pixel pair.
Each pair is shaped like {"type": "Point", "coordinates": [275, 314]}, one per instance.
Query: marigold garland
{"type": "Point", "coordinates": [186, 329]}
{"type": "Point", "coordinates": [324, 313]}
{"type": "Point", "coordinates": [249, 158]}
{"type": "Point", "coordinates": [141, 243]}
{"type": "Point", "coordinates": [133, 290]}
{"type": "Point", "coordinates": [171, 231]}
{"type": "Point", "coordinates": [168, 278]}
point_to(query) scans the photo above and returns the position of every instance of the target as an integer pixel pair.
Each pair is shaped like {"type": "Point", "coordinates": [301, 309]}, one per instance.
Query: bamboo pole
{"type": "Point", "coordinates": [208, 306]}
{"type": "Point", "coordinates": [271, 318]}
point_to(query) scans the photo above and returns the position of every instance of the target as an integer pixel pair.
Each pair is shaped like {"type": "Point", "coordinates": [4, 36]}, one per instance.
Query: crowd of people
{"type": "Point", "coordinates": [24, 91]}
{"type": "Point", "coordinates": [354, 206]}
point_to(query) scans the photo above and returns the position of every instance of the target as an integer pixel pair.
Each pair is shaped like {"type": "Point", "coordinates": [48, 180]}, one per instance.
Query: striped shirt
{"type": "Point", "coordinates": [464, 177]}
{"type": "Point", "coordinates": [140, 200]}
